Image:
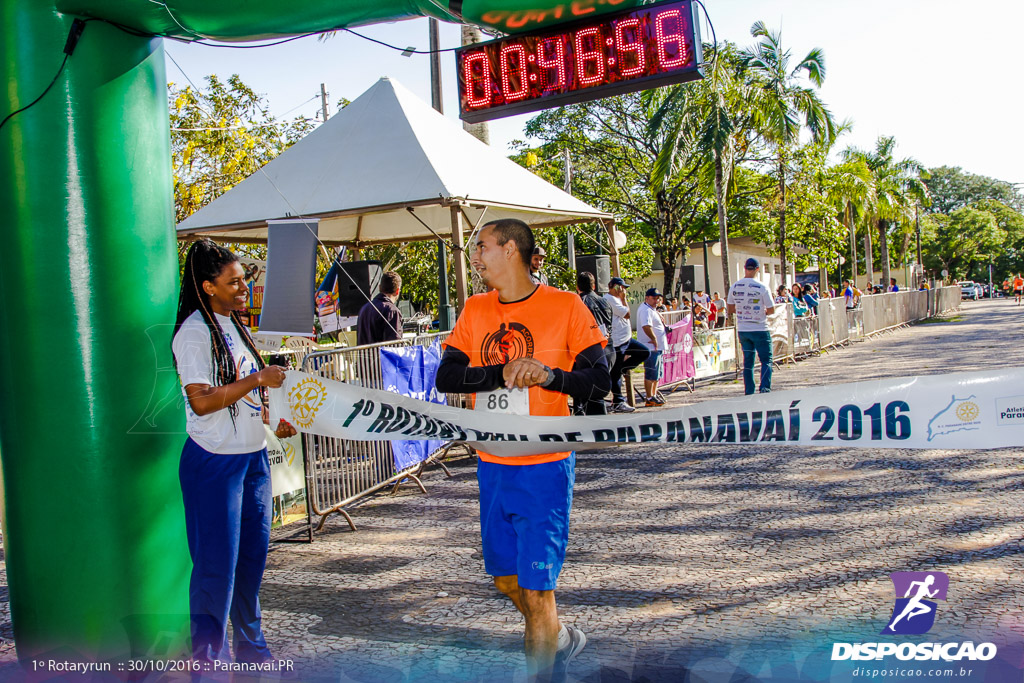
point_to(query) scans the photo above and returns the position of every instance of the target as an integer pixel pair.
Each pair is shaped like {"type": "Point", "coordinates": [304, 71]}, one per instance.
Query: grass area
{"type": "Point", "coordinates": [944, 319]}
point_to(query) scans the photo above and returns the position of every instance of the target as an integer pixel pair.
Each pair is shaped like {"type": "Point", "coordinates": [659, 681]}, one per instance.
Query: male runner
{"type": "Point", "coordinates": [915, 607]}
{"type": "Point", "coordinates": [523, 348]}
{"type": "Point", "coordinates": [1018, 287]}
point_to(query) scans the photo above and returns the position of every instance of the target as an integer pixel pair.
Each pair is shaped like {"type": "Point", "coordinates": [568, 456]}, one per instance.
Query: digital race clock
{"type": "Point", "coordinates": [609, 55]}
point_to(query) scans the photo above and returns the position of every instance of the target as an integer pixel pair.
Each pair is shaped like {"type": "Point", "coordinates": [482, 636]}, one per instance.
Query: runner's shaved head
{"type": "Point", "coordinates": [514, 230]}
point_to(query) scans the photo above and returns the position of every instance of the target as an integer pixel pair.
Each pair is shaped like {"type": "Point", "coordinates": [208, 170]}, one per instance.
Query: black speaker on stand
{"type": "Point", "coordinates": [358, 282]}
{"type": "Point", "coordinates": [600, 266]}
{"type": "Point", "coordinates": [688, 279]}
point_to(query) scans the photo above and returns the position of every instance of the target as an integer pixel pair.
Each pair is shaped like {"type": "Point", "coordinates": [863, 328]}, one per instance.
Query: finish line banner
{"type": "Point", "coordinates": [955, 411]}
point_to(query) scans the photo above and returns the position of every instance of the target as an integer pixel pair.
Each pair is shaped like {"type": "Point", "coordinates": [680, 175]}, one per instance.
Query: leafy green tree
{"type": "Point", "coordinates": [616, 161]}
{"type": "Point", "coordinates": [221, 135]}
{"type": "Point", "coordinates": [786, 107]}
{"type": "Point", "coordinates": [952, 188]}
{"type": "Point", "coordinates": [955, 241]}
{"type": "Point", "coordinates": [822, 196]}
{"type": "Point", "coordinates": [714, 120]}
{"type": "Point", "coordinates": [898, 189]}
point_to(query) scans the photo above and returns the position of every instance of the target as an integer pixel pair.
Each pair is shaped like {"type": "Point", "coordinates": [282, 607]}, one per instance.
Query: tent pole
{"type": "Point", "coordinates": [609, 227]}
{"type": "Point", "coordinates": [459, 256]}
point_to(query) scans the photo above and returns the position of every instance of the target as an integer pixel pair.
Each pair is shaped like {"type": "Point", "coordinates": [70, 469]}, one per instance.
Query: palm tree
{"type": "Point", "coordinates": [787, 107]}
{"type": "Point", "coordinates": [898, 189]}
{"type": "Point", "coordinates": [711, 119]}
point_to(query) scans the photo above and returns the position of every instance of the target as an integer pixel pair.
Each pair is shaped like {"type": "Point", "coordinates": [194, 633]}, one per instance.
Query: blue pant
{"type": "Point", "coordinates": [227, 520]}
{"type": "Point", "coordinates": [761, 343]}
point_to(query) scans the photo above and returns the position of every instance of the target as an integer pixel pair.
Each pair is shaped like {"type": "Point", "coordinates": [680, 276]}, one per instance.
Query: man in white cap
{"type": "Point", "coordinates": [629, 353]}
{"type": "Point", "coordinates": [650, 329]}
{"type": "Point", "coordinates": [751, 302]}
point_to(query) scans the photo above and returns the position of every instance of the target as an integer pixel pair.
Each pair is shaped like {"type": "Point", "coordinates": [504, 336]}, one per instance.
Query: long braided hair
{"type": "Point", "coordinates": [204, 262]}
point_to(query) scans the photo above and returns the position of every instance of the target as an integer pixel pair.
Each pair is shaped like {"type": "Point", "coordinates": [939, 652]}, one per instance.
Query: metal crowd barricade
{"type": "Point", "coordinates": [942, 299]}
{"type": "Point", "coordinates": [804, 335]}
{"type": "Point", "coordinates": [826, 332]}
{"type": "Point", "coordinates": [780, 325]}
{"type": "Point", "coordinates": [340, 472]}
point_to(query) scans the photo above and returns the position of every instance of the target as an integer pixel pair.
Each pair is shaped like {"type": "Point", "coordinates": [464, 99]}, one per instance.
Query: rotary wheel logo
{"type": "Point", "coordinates": [967, 411]}
{"type": "Point", "coordinates": [305, 399]}
{"type": "Point", "coordinates": [506, 344]}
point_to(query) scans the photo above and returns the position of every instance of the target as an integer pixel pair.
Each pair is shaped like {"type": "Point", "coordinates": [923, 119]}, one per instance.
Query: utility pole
{"type": "Point", "coordinates": [323, 101]}
{"type": "Point", "coordinates": [445, 314]}
{"type": "Point", "coordinates": [570, 236]}
{"type": "Point", "coordinates": [917, 223]}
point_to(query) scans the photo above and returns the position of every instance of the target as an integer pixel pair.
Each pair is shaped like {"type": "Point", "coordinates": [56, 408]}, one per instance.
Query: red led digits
{"type": "Point", "coordinates": [666, 38]}
{"type": "Point", "coordinates": [510, 74]}
{"type": "Point", "coordinates": [594, 56]}
{"type": "Point", "coordinates": [479, 81]}
{"type": "Point", "coordinates": [631, 47]}
{"type": "Point", "coordinates": [602, 54]}
{"type": "Point", "coordinates": [551, 58]}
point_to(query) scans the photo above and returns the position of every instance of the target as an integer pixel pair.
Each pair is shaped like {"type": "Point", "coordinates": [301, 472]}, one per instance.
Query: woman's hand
{"type": "Point", "coordinates": [271, 376]}
{"type": "Point", "coordinates": [284, 430]}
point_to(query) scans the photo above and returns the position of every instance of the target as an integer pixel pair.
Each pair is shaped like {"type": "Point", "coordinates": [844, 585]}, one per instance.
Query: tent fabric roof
{"type": "Point", "coordinates": [384, 152]}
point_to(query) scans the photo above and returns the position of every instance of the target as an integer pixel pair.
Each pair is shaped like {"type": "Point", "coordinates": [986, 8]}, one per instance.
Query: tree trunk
{"type": "Point", "coordinates": [823, 266]}
{"type": "Point", "coordinates": [869, 258]}
{"type": "Point", "coordinates": [723, 225]}
{"type": "Point", "coordinates": [883, 250]}
{"type": "Point", "coordinates": [782, 220]}
{"type": "Point", "coordinates": [668, 261]}
{"type": "Point", "coordinates": [853, 243]}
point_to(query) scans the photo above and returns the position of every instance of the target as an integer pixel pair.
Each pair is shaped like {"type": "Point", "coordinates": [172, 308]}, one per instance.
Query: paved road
{"type": "Point", "coordinates": [707, 560]}
{"type": "Point", "coordinates": [683, 558]}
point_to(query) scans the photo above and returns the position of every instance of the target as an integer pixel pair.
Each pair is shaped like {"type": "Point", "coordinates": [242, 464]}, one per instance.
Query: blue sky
{"type": "Point", "coordinates": [939, 75]}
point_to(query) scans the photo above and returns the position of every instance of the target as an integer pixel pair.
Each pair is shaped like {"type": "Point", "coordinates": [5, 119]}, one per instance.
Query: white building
{"type": "Point", "coordinates": [740, 249]}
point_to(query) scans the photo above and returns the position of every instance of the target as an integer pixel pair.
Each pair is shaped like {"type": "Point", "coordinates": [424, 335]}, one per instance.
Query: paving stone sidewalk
{"type": "Point", "coordinates": [678, 555]}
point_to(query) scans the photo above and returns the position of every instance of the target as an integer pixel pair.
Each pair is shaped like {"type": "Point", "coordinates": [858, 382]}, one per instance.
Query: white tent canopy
{"type": "Point", "coordinates": [362, 170]}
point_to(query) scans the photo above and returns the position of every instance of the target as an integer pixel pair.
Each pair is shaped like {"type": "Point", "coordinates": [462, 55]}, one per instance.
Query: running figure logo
{"type": "Point", "coordinates": [506, 344]}
{"type": "Point", "coordinates": [913, 613]}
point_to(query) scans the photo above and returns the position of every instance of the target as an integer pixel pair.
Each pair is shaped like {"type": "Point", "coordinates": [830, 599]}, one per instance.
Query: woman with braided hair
{"type": "Point", "coordinates": [224, 471]}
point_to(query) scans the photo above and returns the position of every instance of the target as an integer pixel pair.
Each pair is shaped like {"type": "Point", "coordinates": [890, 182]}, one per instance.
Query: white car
{"type": "Point", "coordinates": [970, 290]}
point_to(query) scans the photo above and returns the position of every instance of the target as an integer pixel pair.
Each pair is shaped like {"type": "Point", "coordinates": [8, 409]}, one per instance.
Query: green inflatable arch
{"type": "Point", "coordinates": [94, 539]}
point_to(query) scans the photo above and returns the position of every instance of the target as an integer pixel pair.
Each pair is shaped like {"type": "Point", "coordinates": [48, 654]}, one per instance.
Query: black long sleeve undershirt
{"type": "Point", "coordinates": [588, 379]}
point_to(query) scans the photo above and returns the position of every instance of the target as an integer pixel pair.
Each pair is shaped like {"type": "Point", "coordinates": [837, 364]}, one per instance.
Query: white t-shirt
{"type": "Point", "coordinates": [621, 331]}
{"type": "Point", "coordinates": [751, 299]}
{"type": "Point", "coordinates": [645, 315]}
{"type": "Point", "coordinates": [720, 305]}
{"type": "Point", "coordinates": [215, 432]}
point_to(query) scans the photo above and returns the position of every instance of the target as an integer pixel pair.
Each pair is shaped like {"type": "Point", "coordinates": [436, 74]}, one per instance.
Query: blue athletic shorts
{"type": "Point", "coordinates": [524, 519]}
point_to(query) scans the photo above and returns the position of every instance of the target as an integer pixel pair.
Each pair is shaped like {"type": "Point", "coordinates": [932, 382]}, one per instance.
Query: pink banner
{"type": "Point", "coordinates": [678, 359]}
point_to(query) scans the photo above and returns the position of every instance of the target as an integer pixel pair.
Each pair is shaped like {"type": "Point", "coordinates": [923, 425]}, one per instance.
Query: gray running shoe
{"type": "Point", "coordinates": [577, 641]}
{"type": "Point", "coordinates": [622, 408]}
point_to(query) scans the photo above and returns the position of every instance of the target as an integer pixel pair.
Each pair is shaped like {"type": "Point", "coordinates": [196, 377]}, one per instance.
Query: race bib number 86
{"type": "Point", "coordinates": [505, 401]}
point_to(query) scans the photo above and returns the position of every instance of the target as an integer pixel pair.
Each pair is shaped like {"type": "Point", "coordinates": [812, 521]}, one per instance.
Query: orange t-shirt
{"type": "Point", "coordinates": [1018, 283]}
{"type": "Point", "coordinates": [550, 325]}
